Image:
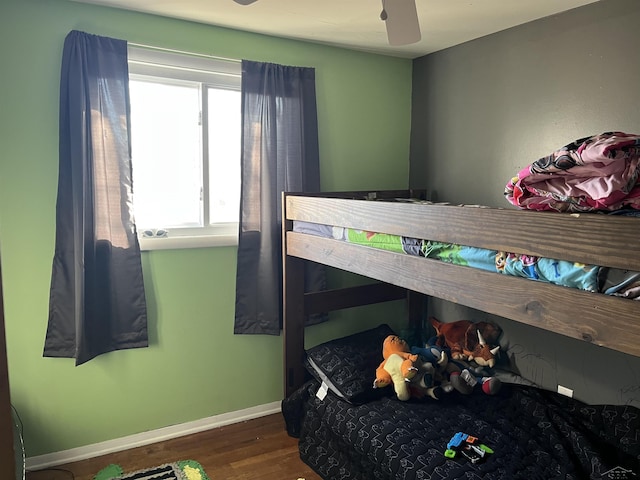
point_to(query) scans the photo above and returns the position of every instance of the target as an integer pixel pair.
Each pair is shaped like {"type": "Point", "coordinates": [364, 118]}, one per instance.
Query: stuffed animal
{"type": "Point", "coordinates": [436, 373]}
{"type": "Point", "coordinates": [473, 376]}
{"type": "Point", "coordinates": [468, 340]}
{"type": "Point", "coordinates": [397, 368]}
{"type": "Point", "coordinates": [395, 344]}
{"type": "Point", "coordinates": [428, 379]}
{"type": "Point", "coordinates": [390, 372]}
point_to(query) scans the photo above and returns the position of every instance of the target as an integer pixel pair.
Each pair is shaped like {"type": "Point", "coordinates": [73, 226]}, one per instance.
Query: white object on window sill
{"type": "Point", "coordinates": [179, 242]}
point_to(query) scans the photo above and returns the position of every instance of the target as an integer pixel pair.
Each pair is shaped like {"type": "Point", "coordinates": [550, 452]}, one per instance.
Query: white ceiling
{"type": "Point", "coordinates": [356, 23]}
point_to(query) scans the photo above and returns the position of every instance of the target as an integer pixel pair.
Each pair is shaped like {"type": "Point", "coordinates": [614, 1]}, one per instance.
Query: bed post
{"type": "Point", "coordinates": [293, 313]}
{"type": "Point", "coordinates": [417, 310]}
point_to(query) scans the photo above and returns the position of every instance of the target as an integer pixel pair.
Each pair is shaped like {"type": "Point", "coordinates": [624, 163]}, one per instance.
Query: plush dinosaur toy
{"type": "Point", "coordinates": [468, 340]}
{"type": "Point", "coordinates": [397, 368]}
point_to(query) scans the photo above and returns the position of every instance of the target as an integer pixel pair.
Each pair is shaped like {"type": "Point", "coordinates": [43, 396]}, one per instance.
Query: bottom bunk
{"type": "Point", "coordinates": [348, 430]}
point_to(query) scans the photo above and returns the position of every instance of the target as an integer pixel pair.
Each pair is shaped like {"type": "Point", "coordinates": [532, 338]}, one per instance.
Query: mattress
{"type": "Point", "coordinates": [347, 430]}
{"type": "Point", "coordinates": [533, 434]}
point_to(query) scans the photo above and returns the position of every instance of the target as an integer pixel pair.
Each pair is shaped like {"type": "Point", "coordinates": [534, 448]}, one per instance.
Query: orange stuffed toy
{"type": "Point", "coordinates": [397, 368]}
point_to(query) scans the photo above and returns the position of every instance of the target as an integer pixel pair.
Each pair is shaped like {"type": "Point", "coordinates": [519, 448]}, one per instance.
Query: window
{"type": "Point", "coordinates": [185, 146]}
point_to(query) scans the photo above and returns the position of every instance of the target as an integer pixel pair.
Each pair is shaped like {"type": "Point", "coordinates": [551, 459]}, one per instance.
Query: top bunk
{"type": "Point", "coordinates": [583, 238]}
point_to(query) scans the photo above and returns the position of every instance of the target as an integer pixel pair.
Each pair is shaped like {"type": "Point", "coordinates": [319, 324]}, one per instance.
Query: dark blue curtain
{"type": "Point", "coordinates": [279, 153]}
{"type": "Point", "coordinates": [97, 300]}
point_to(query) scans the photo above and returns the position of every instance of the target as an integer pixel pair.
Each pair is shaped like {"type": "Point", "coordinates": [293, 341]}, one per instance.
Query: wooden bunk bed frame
{"type": "Point", "coordinates": [595, 239]}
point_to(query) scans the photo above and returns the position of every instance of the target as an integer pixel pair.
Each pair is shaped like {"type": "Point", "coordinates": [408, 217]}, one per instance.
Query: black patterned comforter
{"type": "Point", "coordinates": [534, 434]}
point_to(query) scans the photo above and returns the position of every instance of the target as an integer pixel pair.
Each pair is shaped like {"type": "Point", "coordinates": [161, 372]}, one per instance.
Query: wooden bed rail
{"type": "Point", "coordinates": [609, 321]}
{"type": "Point", "coordinates": [589, 238]}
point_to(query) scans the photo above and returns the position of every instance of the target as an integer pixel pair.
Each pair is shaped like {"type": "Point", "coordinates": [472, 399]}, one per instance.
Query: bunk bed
{"type": "Point", "coordinates": [375, 435]}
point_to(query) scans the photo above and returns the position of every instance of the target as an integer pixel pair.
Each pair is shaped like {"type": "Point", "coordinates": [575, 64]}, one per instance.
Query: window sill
{"type": "Point", "coordinates": [180, 242]}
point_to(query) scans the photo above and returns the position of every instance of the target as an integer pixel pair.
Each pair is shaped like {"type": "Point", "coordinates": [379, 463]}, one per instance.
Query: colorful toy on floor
{"type": "Point", "coordinates": [468, 446]}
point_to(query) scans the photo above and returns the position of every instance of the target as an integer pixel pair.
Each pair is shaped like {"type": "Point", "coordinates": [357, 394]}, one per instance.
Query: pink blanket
{"type": "Point", "coordinates": [592, 173]}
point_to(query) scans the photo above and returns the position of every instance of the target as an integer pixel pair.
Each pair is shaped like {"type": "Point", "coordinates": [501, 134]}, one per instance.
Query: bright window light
{"type": "Point", "coordinates": [185, 140]}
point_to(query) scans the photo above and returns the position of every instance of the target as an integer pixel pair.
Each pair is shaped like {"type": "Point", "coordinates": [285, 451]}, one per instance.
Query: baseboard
{"type": "Point", "coordinates": [146, 438]}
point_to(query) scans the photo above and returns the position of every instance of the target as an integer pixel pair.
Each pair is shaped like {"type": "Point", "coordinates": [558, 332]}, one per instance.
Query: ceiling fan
{"type": "Point", "coordinates": [399, 16]}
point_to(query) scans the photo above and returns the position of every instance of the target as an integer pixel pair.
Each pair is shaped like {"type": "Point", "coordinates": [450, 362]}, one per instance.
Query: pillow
{"type": "Point", "coordinates": [348, 365]}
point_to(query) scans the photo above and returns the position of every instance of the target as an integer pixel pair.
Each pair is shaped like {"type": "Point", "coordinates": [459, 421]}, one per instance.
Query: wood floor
{"type": "Point", "coordinates": [258, 449]}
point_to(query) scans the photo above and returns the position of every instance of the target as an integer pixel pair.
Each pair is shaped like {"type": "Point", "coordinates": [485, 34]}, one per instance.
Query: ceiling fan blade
{"type": "Point", "coordinates": [244, 2]}
{"type": "Point", "coordinates": [401, 19]}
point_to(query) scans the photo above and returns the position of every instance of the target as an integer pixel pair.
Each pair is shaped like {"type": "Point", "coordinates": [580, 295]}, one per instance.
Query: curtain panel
{"type": "Point", "coordinates": [279, 153]}
{"type": "Point", "coordinates": [97, 300]}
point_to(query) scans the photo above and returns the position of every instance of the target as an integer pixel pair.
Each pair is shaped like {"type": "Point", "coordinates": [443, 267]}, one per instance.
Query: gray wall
{"type": "Point", "coordinates": [485, 109]}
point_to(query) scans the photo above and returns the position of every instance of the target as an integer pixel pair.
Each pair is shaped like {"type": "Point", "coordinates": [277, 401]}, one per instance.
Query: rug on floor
{"type": "Point", "coordinates": [182, 470]}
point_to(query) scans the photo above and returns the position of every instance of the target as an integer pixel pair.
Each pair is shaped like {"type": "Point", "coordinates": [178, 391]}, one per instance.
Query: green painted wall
{"type": "Point", "coordinates": [195, 366]}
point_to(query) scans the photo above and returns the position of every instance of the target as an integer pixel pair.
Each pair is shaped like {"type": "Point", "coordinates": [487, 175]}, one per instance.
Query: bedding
{"type": "Point", "coordinates": [595, 173]}
{"type": "Point", "coordinates": [340, 363]}
{"type": "Point", "coordinates": [591, 278]}
{"type": "Point", "coordinates": [534, 434]}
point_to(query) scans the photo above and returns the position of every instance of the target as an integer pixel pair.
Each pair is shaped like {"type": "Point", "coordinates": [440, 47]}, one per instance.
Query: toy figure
{"type": "Point", "coordinates": [472, 377]}
{"type": "Point", "coordinates": [397, 368]}
{"type": "Point", "coordinates": [436, 368]}
{"type": "Point", "coordinates": [436, 373]}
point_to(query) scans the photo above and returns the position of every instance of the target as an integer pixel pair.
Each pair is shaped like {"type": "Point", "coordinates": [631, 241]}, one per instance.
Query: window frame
{"type": "Point", "coordinates": [210, 72]}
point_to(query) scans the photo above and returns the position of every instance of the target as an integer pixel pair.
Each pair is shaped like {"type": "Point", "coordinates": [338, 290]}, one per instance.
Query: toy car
{"type": "Point", "coordinates": [468, 446]}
